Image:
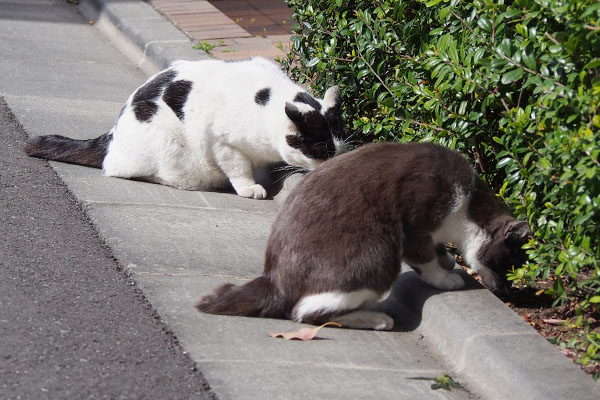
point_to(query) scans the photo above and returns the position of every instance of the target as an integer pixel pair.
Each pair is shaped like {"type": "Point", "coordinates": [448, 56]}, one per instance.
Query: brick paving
{"type": "Point", "coordinates": [258, 17]}
{"type": "Point", "coordinates": [237, 29]}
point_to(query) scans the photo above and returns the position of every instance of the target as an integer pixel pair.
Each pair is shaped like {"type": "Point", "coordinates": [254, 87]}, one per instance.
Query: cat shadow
{"type": "Point", "coordinates": [278, 179]}
{"type": "Point", "coordinates": [409, 294]}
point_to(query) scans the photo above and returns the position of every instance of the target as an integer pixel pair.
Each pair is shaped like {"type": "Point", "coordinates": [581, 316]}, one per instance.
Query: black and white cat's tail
{"type": "Point", "coordinates": [90, 152]}
{"type": "Point", "coordinates": [257, 298]}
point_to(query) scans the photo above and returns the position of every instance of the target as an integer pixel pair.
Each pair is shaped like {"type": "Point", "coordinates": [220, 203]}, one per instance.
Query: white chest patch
{"type": "Point", "coordinates": [457, 228]}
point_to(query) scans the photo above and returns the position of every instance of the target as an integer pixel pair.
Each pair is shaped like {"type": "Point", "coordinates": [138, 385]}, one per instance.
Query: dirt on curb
{"type": "Point", "coordinates": [562, 325]}
{"type": "Point", "coordinates": [566, 326]}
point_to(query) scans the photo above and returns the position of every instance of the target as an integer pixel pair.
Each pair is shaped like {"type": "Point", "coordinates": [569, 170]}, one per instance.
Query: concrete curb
{"type": "Point", "coordinates": [498, 354]}
{"type": "Point", "coordinates": [140, 33]}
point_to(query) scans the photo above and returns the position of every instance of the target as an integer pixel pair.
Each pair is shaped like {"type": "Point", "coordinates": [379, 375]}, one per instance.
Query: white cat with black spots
{"type": "Point", "coordinates": [205, 124]}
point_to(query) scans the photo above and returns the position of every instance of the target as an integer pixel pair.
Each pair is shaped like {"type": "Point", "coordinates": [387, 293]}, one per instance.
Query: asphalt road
{"type": "Point", "coordinates": [72, 325]}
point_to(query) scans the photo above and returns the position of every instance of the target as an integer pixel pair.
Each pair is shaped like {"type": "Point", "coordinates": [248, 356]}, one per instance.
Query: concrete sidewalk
{"type": "Point", "coordinates": [61, 76]}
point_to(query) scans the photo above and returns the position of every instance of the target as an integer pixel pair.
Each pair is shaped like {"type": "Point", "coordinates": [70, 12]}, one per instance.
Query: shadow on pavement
{"type": "Point", "coordinates": [405, 303]}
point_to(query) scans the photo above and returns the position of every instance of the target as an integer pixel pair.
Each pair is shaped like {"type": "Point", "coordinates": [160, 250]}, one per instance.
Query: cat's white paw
{"type": "Point", "coordinates": [364, 319]}
{"type": "Point", "coordinates": [451, 281]}
{"type": "Point", "coordinates": [255, 191]}
{"type": "Point", "coordinates": [385, 323]}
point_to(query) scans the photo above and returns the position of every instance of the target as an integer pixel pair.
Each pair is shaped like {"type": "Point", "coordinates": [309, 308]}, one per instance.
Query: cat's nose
{"type": "Point", "coordinates": [500, 286]}
{"type": "Point", "coordinates": [502, 292]}
{"type": "Point", "coordinates": [493, 282]}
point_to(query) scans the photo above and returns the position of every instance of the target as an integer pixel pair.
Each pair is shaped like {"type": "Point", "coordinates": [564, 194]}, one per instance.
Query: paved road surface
{"type": "Point", "coordinates": [71, 323]}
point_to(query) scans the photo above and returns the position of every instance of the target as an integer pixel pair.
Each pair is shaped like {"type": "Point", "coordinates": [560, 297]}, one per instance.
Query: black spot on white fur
{"type": "Point", "coordinates": [303, 97]}
{"type": "Point", "coordinates": [144, 99]}
{"type": "Point", "coordinates": [176, 95]}
{"type": "Point", "coordinates": [263, 96]}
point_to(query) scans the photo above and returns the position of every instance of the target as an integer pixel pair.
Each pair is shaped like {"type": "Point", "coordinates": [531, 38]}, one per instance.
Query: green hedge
{"type": "Point", "coordinates": [515, 85]}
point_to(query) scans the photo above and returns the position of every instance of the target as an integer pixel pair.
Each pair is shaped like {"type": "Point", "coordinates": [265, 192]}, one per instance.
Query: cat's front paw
{"type": "Point", "coordinates": [451, 281]}
{"type": "Point", "coordinates": [255, 191]}
{"type": "Point", "coordinates": [385, 323]}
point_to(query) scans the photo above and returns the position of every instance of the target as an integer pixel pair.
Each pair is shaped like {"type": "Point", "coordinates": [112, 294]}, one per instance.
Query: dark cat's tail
{"type": "Point", "coordinates": [90, 152]}
{"type": "Point", "coordinates": [257, 298]}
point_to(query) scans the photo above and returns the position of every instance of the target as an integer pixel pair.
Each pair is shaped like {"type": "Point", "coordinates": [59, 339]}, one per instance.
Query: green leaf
{"type": "Point", "coordinates": [512, 76]}
{"type": "Point", "coordinates": [389, 102]}
{"type": "Point", "coordinates": [544, 163]}
{"type": "Point", "coordinates": [381, 97]}
{"type": "Point", "coordinates": [444, 12]}
{"type": "Point", "coordinates": [594, 299]}
{"type": "Point", "coordinates": [505, 47]}
{"type": "Point", "coordinates": [528, 60]}
{"type": "Point", "coordinates": [502, 163]}
{"type": "Point", "coordinates": [313, 62]}
{"type": "Point", "coordinates": [432, 3]}
{"type": "Point", "coordinates": [363, 73]}
{"type": "Point", "coordinates": [498, 63]}
{"type": "Point", "coordinates": [572, 118]}
{"type": "Point", "coordinates": [581, 219]}
{"type": "Point", "coordinates": [485, 24]}
{"type": "Point", "coordinates": [592, 64]}
{"type": "Point", "coordinates": [513, 12]}
{"type": "Point", "coordinates": [443, 41]}
{"type": "Point", "coordinates": [554, 49]}
{"type": "Point", "coordinates": [453, 53]}
{"type": "Point", "coordinates": [477, 56]}
{"type": "Point", "coordinates": [591, 9]}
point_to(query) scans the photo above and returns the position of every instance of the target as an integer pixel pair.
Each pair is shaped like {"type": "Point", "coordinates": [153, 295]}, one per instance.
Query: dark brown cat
{"type": "Point", "coordinates": [338, 242]}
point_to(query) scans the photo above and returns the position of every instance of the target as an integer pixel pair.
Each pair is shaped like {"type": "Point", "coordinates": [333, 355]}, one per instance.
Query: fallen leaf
{"type": "Point", "coordinates": [554, 321]}
{"type": "Point", "coordinates": [540, 292]}
{"type": "Point", "coordinates": [536, 325]}
{"type": "Point", "coordinates": [304, 333]}
{"type": "Point", "coordinates": [566, 352]}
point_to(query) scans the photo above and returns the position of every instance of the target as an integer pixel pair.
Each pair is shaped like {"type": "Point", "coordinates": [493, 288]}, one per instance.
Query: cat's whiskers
{"type": "Point", "coordinates": [285, 167]}
{"type": "Point", "coordinates": [291, 170]}
{"type": "Point", "coordinates": [348, 141]}
{"type": "Point", "coordinates": [343, 145]}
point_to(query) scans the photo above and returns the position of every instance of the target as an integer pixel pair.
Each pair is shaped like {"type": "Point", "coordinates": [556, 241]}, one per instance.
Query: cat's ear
{"type": "Point", "coordinates": [293, 112]}
{"type": "Point", "coordinates": [517, 232]}
{"type": "Point", "coordinates": [333, 97]}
